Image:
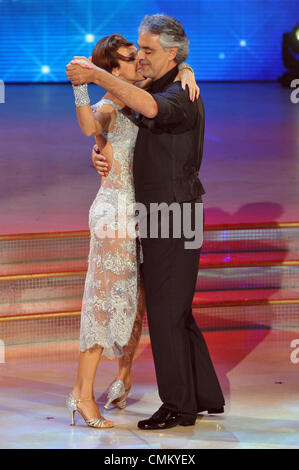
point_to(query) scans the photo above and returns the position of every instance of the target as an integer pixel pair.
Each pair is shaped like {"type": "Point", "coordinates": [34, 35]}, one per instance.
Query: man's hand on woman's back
{"type": "Point", "coordinates": [99, 161]}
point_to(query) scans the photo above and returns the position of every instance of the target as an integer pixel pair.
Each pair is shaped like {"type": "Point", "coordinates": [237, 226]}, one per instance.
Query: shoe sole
{"type": "Point", "coordinates": [168, 426]}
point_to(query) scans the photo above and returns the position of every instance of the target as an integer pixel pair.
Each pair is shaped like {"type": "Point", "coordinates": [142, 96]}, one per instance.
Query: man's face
{"type": "Point", "coordinates": [153, 59]}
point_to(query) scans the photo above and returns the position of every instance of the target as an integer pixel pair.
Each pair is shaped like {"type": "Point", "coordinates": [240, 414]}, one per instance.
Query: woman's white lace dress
{"type": "Point", "coordinates": [111, 289]}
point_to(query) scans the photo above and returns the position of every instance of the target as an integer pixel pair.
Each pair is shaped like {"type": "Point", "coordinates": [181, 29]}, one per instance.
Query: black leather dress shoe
{"type": "Point", "coordinates": [213, 411]}
{"type": "Point", "coordinates": [165, 419]}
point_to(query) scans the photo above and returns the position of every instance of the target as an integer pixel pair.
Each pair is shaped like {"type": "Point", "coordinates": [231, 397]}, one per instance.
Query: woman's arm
{"type": "Point", "coordinates": [89, 122]}
{"type": "Point", "coordinates": [92, 122]}
{"type": "Point", "coordinates": [186, 77]}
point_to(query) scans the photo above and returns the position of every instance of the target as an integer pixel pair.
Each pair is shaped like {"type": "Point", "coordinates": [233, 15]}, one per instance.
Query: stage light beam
{"type": "Point", "coordinates": [45, 69]}
{"type": "Point", "coordinates": [89, 38]}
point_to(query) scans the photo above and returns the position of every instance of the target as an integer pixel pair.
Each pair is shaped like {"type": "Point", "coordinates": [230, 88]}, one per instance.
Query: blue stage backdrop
{"type": "Point", "coordinates": [230, 39]}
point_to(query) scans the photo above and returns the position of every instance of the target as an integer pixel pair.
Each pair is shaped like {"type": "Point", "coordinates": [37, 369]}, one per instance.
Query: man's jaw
{"type": "Point", "coordinates": [146, 71]}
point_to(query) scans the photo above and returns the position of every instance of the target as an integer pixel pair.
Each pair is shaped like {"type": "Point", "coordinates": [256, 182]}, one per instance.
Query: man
{"type": "Point", "coordinates": [167, 159]}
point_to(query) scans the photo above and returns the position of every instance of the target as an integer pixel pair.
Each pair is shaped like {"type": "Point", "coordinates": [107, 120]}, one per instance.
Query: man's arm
{"type": "Point", "coordinates": [169, 108]}
{"type": "Point", "coordinates": [144, 84]}
{"type": "Point", "coordinates": [135, 98]}
{"type": "Point", "coordinates": [174, 109]}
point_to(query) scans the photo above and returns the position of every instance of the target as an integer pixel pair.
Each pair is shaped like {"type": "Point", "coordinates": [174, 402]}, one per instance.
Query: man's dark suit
{"type": "Point", "coordinates": [167, 159]}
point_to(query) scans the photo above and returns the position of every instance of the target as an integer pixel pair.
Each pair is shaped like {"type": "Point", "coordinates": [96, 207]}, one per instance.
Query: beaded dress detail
{"type": "Point", "coordinates": [111, 290]}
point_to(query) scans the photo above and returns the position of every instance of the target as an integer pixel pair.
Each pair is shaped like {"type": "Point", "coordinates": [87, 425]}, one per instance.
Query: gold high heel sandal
{"type": "Point", "coordinates": [71, 403]}
{"type": "Point", "coordinates": [116, 390]}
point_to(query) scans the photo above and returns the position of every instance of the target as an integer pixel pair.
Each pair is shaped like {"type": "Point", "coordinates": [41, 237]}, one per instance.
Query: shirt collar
{"type": "Point", "coordinates": [160, 84]}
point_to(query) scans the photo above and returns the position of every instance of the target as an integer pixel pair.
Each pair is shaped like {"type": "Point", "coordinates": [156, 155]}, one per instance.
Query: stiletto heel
{"type": "Point", "coordinates": [116, 390]}
{"type": "Point", "coordinates": [73, 418]}
{"type": "Point", "coordinates": [71, 403]}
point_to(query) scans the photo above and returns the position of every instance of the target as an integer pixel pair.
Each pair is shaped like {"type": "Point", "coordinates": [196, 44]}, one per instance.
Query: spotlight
{"type": "Point", "coordinates": [290, 50]}
{"type": "Point", "coordinates": [89, 37]}
{"type": "Point", "coordinates": [45, 69]}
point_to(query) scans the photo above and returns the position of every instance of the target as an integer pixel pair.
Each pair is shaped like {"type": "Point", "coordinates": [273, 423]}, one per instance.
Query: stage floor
{"type": "Point", "coordinates": [257, 376]}
{"type": "Point", "coordinates": [249, 170]}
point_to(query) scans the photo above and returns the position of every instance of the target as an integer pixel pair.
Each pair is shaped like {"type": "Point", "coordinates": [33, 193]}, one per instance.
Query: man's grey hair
{"type": "Point", "coordinates": [171, 31]}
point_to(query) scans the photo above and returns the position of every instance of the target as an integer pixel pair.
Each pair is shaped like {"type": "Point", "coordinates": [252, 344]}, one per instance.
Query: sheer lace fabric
{"type": "Point", "coordinates": [111, 290]}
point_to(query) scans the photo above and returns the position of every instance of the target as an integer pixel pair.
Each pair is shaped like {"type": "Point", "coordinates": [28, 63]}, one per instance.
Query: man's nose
{"type": "Point", "coordinates": [140, 55]}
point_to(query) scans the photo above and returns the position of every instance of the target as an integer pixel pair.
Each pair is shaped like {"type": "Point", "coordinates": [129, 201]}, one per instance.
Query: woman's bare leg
{"type": "Point", "coordinates": [87, 367]}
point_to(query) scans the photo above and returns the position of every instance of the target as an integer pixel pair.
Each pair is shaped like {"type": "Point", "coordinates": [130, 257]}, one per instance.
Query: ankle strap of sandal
{"type": "Point", "coordinates": [83, 399]}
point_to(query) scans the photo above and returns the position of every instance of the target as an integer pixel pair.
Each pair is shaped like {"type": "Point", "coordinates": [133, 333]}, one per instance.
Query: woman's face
{"type": "Point", "coordinates": [128, 71]}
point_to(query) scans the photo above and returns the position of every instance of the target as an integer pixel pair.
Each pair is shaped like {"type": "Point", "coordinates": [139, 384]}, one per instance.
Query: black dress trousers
{"type": "Point", "coordinates": [186, 378]}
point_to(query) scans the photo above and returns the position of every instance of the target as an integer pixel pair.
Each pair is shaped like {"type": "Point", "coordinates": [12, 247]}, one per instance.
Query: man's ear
{"type": "Point", "coordinates": [115, 71]}
{"type": "Point", "coordinates": [172, 52]}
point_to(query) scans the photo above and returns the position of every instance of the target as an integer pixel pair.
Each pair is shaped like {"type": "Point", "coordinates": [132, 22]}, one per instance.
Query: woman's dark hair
{"type": "Point", "coordinates": [105, 53]}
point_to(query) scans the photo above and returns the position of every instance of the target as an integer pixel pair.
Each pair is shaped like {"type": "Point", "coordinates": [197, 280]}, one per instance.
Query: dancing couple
{"type": "Point", "coordinates": [149, 132]}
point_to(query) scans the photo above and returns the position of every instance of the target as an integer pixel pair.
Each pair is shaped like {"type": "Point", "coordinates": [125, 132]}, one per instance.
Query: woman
{"type": "Point", "coordinates": [113, 302]}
